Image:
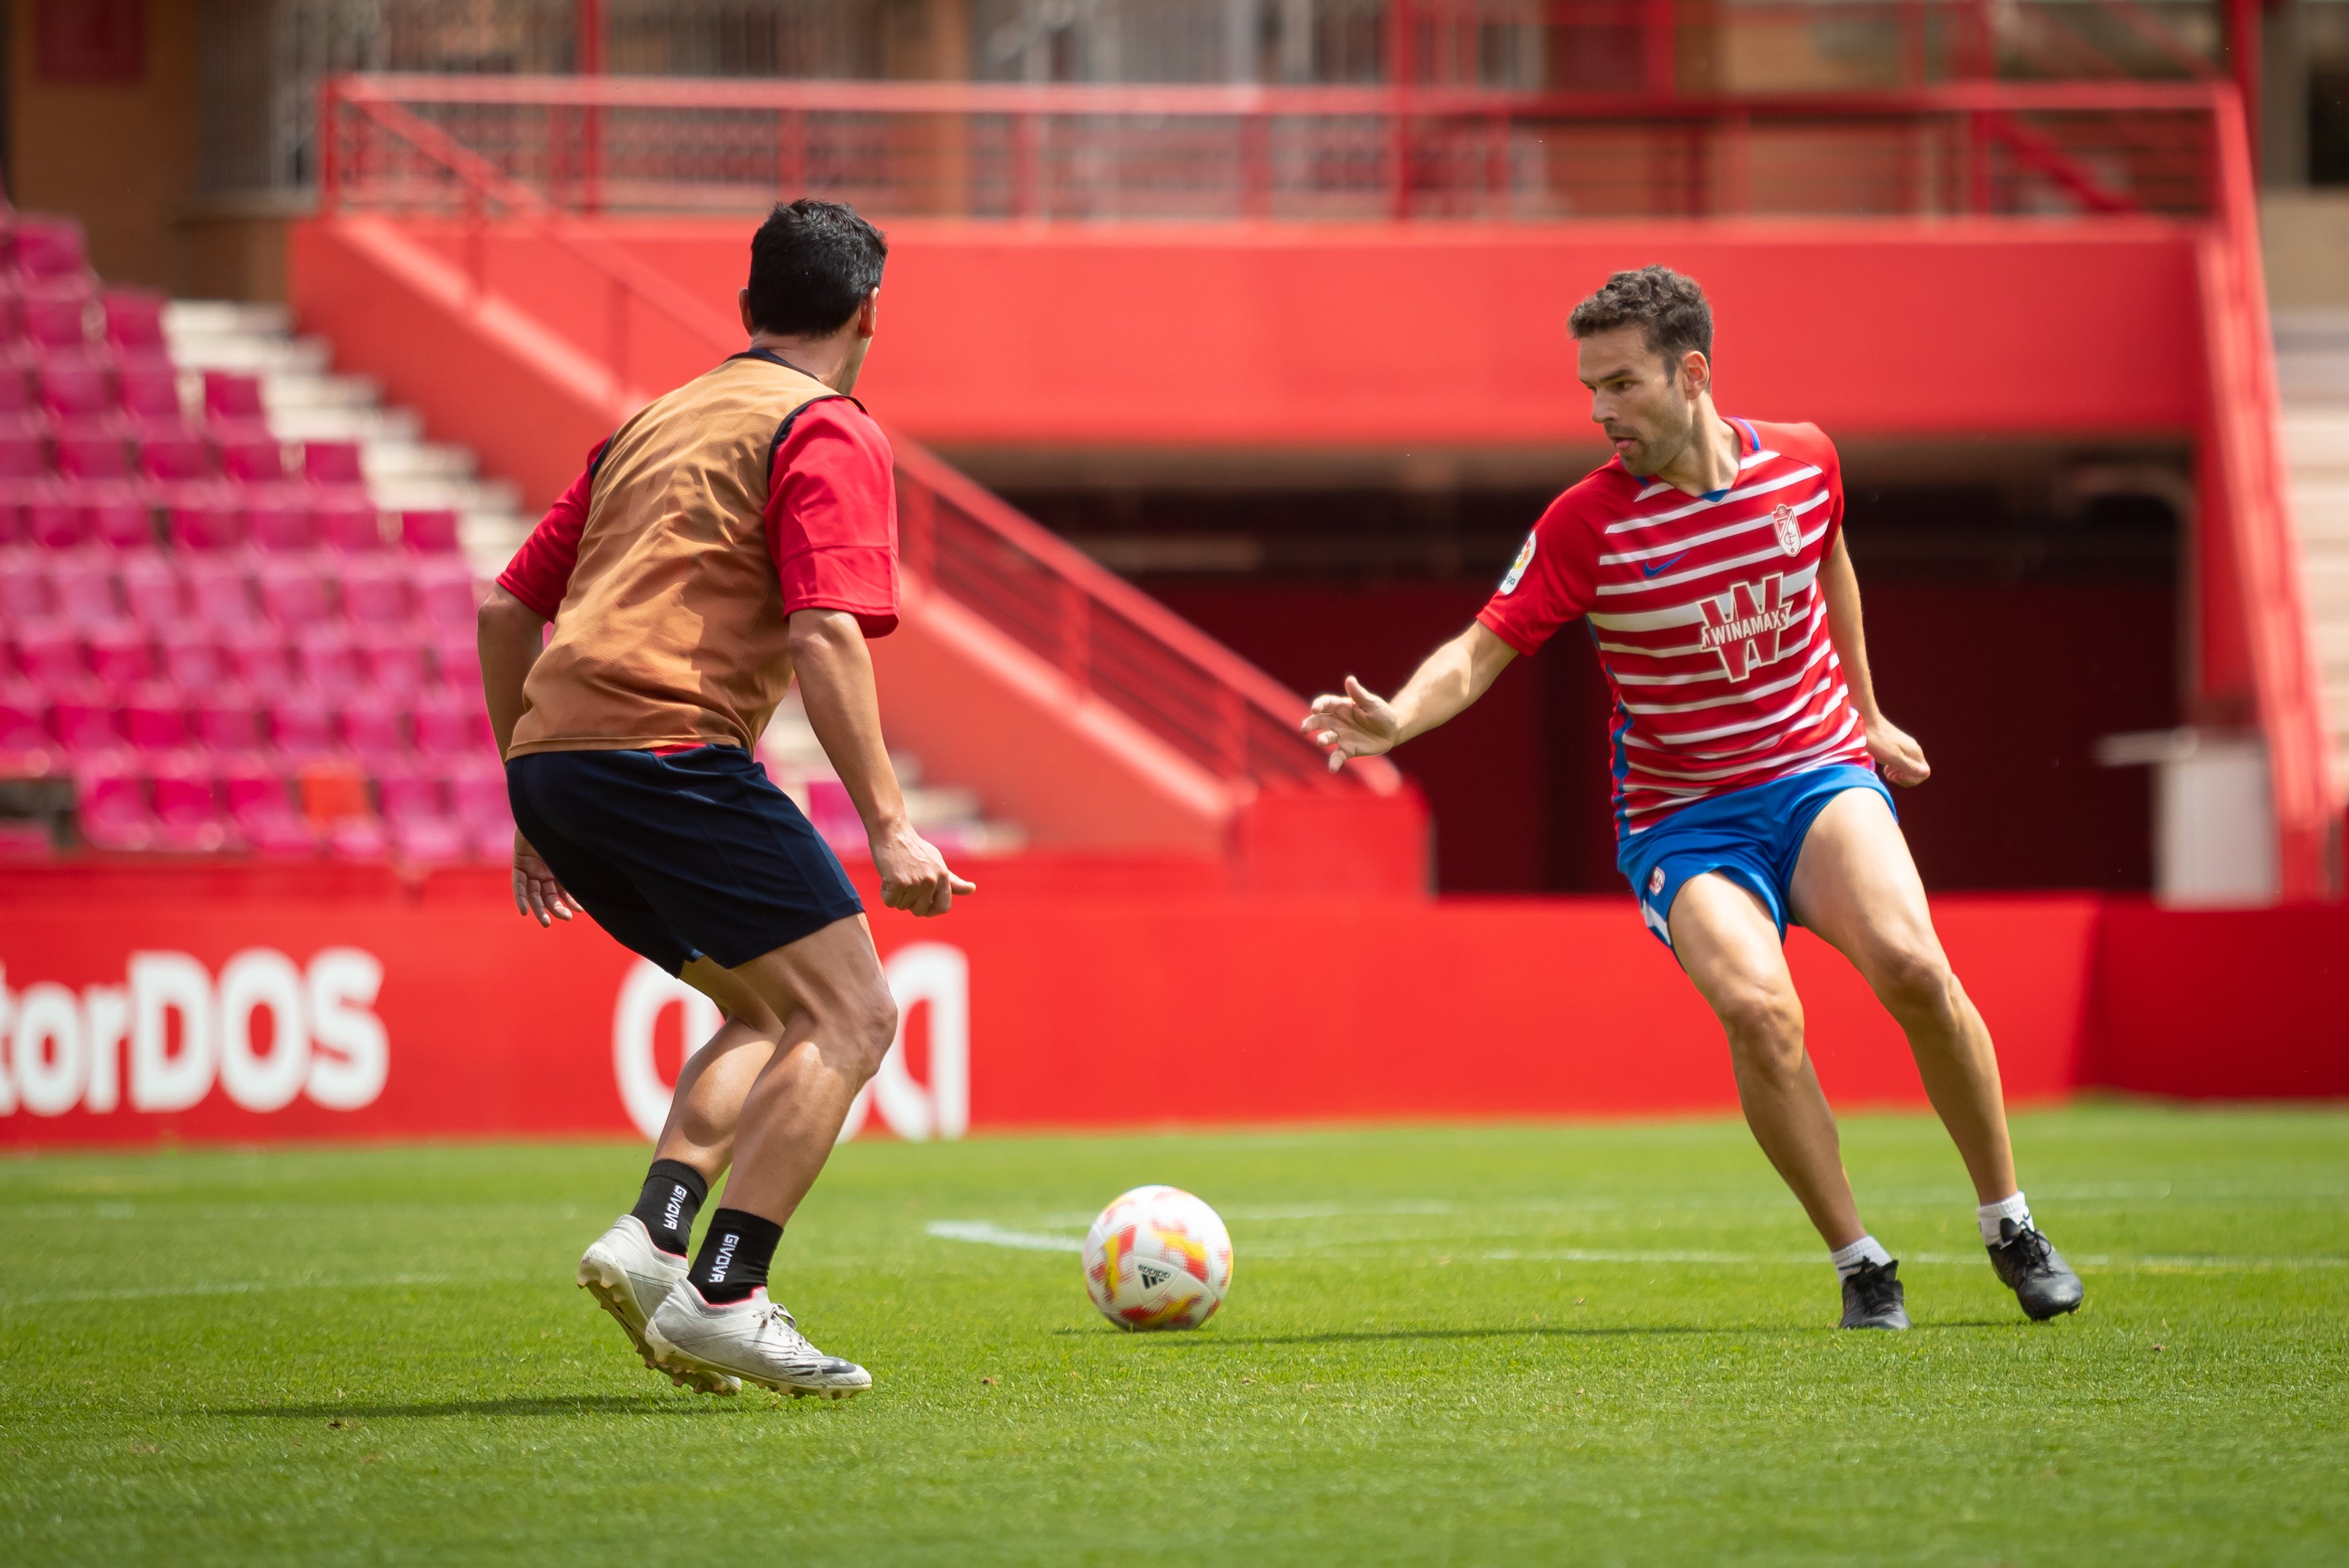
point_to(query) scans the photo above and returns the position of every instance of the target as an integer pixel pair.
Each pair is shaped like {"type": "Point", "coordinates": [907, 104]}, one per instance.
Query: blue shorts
{"type": "Point", "coordinates": [1752, 836]}
{"type": "Point", "coordinates": [681, 854]}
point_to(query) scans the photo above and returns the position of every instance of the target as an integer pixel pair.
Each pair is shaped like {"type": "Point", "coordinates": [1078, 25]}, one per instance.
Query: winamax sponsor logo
{"type": "Point", "coordinates": [174, 1033]}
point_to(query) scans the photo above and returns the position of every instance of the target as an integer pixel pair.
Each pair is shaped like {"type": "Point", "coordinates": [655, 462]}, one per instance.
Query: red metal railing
{"type": "Point", "coordinates": [606, 144]}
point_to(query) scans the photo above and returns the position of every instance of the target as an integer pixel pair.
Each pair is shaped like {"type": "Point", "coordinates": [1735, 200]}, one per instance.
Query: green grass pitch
{"type": "Point", "coordinates": [1586, 1344]}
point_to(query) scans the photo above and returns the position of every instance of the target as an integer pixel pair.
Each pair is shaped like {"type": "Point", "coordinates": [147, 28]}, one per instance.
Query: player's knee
{"type": "Point", "coordinates": [1913, 980]}
{"type": "Point", "coordinates": [1764, 1023]}
{"type": "Point", "coordinates": [868, 1030]}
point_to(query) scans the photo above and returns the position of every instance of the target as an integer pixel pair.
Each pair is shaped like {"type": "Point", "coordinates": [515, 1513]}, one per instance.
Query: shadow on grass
{"type": "Point", "coordinates": [1527, 1331]}
{"type": "Point", "coordinates": [524, 1405]}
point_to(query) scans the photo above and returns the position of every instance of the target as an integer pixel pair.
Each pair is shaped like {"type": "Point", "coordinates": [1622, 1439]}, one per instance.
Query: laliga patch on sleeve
{"type": "Point", "coordinates": [1517, 569]}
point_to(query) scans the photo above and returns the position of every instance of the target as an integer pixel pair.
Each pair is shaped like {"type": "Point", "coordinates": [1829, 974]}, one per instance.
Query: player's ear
{"type": "Point", "coordinates": [868, 314]}
{"type": "Point", "coordinates": [1696, 372]}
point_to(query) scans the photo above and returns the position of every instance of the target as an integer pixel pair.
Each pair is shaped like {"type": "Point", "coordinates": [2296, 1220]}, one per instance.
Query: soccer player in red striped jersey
{"type": "Point", "coordinates": [1707, 561]}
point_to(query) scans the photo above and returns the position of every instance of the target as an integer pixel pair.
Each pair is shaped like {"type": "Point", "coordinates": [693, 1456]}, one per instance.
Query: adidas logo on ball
{"type": "Point", "coordinates": [1157, 1258]}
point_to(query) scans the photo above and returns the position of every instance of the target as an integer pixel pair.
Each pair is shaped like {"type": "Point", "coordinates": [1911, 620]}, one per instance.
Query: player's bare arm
{"type": "Point", "coordinates": [510, 632]}
{"type": "Point", "coordinates": [835, 676]}
{"type": "Point", "coordinates": [1446, 684]}
{"type": "Point", "coordinates": [1891, 748]}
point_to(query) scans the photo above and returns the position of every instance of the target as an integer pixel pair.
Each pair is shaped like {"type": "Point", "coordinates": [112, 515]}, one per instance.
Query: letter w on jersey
{"type": "Point", "coordinates": [1752, 616]}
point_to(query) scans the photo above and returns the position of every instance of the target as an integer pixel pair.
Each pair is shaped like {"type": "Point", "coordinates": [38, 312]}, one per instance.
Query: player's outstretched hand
{"type": "Point", "coordinates": [1360, 723]}
{"type": "Point", "coordinates": [1896, 752]}
{"type": "Point", "coordinates": [536, 893]}
{"type": "Point", "coordinates": [914, 875]}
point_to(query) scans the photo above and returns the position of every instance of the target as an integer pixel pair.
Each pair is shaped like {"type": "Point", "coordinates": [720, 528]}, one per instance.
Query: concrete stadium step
{"type": "Point", "coordinates": [2312, 374]}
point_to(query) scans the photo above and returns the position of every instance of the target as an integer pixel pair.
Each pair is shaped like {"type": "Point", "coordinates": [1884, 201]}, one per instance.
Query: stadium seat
{"type": "Point", "coordinates": [152, 590]}
{"type": "Point", "coordinates": [456, 663]}
{"type": "Point", "coordinates": [348, 521]}
{"type": "Point", "coordinates": [327, 663]}
{"type": "Point", "coordinates": [55, 520]}
{"type": "Point", "coordinates": [81, 585]}
{"type": "Point", "coordinates": [186, 805]}
{"type": "Point", "coordinates": [261, 807]}
{"type": "Point", "coordinates": [453, 724]}
{"type": "Point", "coordinates": [56, 319]}
{"type": "Point", "coordinates": [295, 590]}
{"type": "Point", "coordinates": [22, 733]}
{"type": "Point", "coordinates": [23, 587]}
{"type": "Point", "coordinates": [299, 725]}
{"type": "Point", "coordinates": [154, 718]}
{"type": "Point", "coordinates": [391, 661]}
{"type": "Point", "coordinates": [220, 590]}
{"type": "Point", "coordinates": [444, 592]}
{"type": "Point", "coordinates": [91, 449]}
{"type": "Point", "coordinates": [224, 720]}
{"type": "Point", "coordinates": [118, 517]}
{"type": "Point", "coordinates": [416, 818]}
{"type": "Point", "coordinates": [185, 652]}
{"type": "Point", "coordinates": [173, 454]}
{"type": "Point", "coordinates": [371, 729]}
{"type": "Point", "coordinates": [255, 659]}
{"type": "Point", "coordinates": [47, 652]}
{"type": "Point", "coordinates": [134, 323]}
{"type": "Point", "coordinates": [119, 653]}
{"type": "Point", "coordinates": [432, 531]}
{"type": "Point", "coordinates": [113, 806]}
{"type": "Point", "coordinates": [249, 458]}
{"type": "Point", "coordinates": [149, 390]}
{"type": "Point", "coordinates": [82, 720]}
{"type": "Point", "coordinates": [74, 386]}
{"type": "Point", "coordinates": [477, 797]}
{"type": "Point", "coordinates": [49, 247]}
{"type": "Point", "coordinates": [332, 463]}
{"type": "Point", "coordinates": [15, 389]}
{"type": "Point", "coordinates": [374, 591]}
{"type": "Point", "coordinates": [24, 446]}
{"type": "Point", "coordinates": [203, 520]}
{"type": "Point", "coordinates": [277, 519]}
{"type": "Point", "coordinates": [233, 402]}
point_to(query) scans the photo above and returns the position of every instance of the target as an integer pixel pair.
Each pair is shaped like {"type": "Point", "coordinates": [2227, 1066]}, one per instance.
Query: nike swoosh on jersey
{"type": "Point", "coordinates": [1648, 570]}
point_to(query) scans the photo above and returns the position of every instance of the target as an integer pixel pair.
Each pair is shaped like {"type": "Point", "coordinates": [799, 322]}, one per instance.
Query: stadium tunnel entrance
{"type": "Point", "coordinates": [2022, 602]}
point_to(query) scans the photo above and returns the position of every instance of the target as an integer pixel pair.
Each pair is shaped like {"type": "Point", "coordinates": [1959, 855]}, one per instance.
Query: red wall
{"type": "Point", "coordinates": [1185, 1005]}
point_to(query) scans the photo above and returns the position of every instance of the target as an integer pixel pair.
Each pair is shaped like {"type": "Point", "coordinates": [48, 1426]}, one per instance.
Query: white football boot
{"type": "Point", "coordinates": [754, 1340]}
{"type": "Point", "coordinates": [630, 1275]}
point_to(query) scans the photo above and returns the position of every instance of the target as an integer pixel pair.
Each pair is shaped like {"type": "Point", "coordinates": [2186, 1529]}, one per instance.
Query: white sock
{"type": "Point", "coordinates": [2011, 1207]}
{"type": "Point", "coordinates": [1866, 1250]}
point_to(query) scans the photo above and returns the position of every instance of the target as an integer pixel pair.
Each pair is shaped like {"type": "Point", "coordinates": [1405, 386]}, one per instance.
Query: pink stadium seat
{"type": "Point", "coordinates": [277, 519]}
{"type": "Point", "coordinates": [332, 463]}
{"type": "Point", "coordinates": [134, 322]}
{"type": "Point", "coordinates": [21, 729]}
{"type": "Point", "coordinates": [49, 247]}
{"type": "Point", "coordinates": [14, 495]}
{"type": "Point", "coordinates": [391, 659]}
{"type": "Point", "coordinates": [81, 717]}
{"type": "Point", "coordinates": [24, 446]}
{"type": "Point", "coordinates": [16, 387]}
{"type": "Point", "coordinates": [120, 654]}
{"type": "Point", "coordinates": [348, 521]}
{"type": "Point", "coordinates": [429, 533]}
{"type": "Point", "coordinates": [256, 659]}
{"type": "Point", "coordinates": [374, 591]}
{"type": "Point", "coordinates": [371, 729]}
{"type": "Point", "coordinates": [453, 725]}
{"type": "Point", "coordinates": [444, 591]}
{"type": "Point", "coordinates": [261, 806]}
{"type": "Point", "coordinates": [118, 517]}
{"type": "Point", "coordinates": [112, 804]}
{"type": "Point", "coordinates": [148, 389]}
{"type": "Point", "coordinates": [188, 818]}
{"type": "Point", "coordinates": [47, 653]}
{"type": "Point", "coordinates": [233, 399]}
{"type": "Point", "coordinates": [55, 320]}
{"type": "Point", "coordinates": [220, 590]}
{"type": "Point", "coordinates": [249, 458]}
{"type": "Point", "coordinates": [12, 311]}
{"type": "Point", "coordinates": [173, 454]}
{"type": "Point", "coordinates": [203, 520]}
{"type": "Point", "coordinates": [152, 591]}
{"type": "Point", "coordinates": [224, 718]}
{"type": "Point", "coordinates": [23, 587]}
{"type": "Point", "coordinates": [55, 518]}
{"type": "Point", "coordinates": [329, 664]}
{"type": "Point", "coordinates": [300, 725]}
{"type": "Point", "coordinates": [420, 827]}
{"type": "Point", "coordinates": [154, 718]}
{"type": "Point", "coordinates": [296, 591]}
{"type": "Point", "coordinates": [91, 449]}
{"type": "Point", "coordinates": [456, 663]}
{"type": "Point", "coordinates": [477, 797]}
{"type": "Point", "coordinates": [81, 585]}
{"type": "Point", "coordinates": [76, 387]}
{"type": "Point", "coordinates": [185, 651]}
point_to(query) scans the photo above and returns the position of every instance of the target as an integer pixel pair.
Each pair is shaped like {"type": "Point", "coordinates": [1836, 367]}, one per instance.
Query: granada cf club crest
{"type": "Point", "coordinates": [1656, 880]}
{"type": "Point", "coordinates": [1751, 625]}
{"type": "Point", "coordinates": [1790, 529]}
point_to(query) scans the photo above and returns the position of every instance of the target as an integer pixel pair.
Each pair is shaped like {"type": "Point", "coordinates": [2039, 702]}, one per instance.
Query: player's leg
{"type": "Point", "coordinates": [839, 1020]}
{"type": "Point", "coordinates": [707, 1105]}
{"type": "Point", "coordinates": [1857, 886]}
{"type": "Point", "coordinates": [1727, 941]}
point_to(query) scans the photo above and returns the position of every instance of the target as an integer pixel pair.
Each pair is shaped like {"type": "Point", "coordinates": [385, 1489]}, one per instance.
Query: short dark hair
{"type": "Point", "coordinates": [812, 265]}
{"type": "Point", "coordinates": [1669, 308]}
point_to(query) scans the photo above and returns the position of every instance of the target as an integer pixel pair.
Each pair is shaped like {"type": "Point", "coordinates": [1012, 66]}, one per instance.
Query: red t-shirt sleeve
{"type": "Point", "coordinates": [831, 515]}
{"type": "Point", "coordinates": [539, 573]}
{"type": "Point", "coordinates": [1549, 583]}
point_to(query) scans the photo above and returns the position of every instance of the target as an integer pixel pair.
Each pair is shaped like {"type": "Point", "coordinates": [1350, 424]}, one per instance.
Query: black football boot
{"type": "Point", "coordinates": [2035, 1272]}
{"type": "Point", "coordinates": [1872, 1297]}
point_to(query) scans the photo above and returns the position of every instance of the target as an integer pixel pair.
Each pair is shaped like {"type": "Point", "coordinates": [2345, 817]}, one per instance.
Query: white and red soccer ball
{"type": "Point", "coordinates": [1158, 1258]}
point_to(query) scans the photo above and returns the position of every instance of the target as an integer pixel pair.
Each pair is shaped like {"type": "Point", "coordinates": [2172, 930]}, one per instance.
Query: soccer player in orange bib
{"type": "Point", "coordinates": [736, 533]}
{"type": "Point", "coordinates": [1707, 559]}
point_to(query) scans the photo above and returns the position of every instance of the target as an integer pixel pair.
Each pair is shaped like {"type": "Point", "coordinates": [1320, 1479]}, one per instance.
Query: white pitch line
{"type": "Point", "coordinates": [994, 1235]}
{"type": "Point", "coordinates": [229, 1287]}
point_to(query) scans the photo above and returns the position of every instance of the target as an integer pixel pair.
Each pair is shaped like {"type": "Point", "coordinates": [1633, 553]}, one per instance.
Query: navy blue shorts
{"type": "Point", "coordinates": [1751, 836]}
{"type": "Point", "coordinates": [679, 855]}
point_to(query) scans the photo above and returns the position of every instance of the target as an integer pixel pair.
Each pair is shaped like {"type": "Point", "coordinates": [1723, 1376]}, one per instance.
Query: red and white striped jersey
{"type": "Point", "coordinates": [1708, 618]}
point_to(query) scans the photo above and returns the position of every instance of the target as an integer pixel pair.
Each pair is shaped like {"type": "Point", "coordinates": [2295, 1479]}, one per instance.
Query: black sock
{"type": "Point", "coordinates": [673, 1194]}
{"type": "Point", "coordinates": [735, 1251]}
